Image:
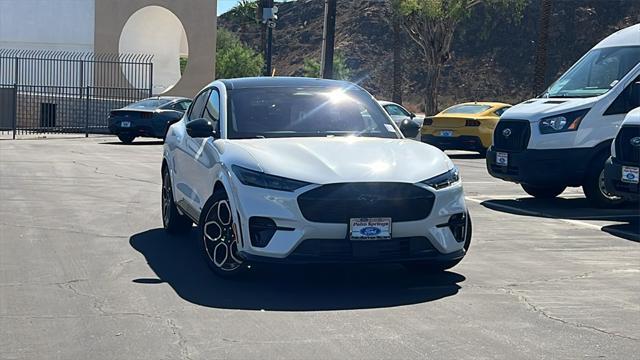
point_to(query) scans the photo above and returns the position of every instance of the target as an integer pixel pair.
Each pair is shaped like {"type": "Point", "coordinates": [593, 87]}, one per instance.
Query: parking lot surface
{"type": "Point", "coordinates": [86, 272]}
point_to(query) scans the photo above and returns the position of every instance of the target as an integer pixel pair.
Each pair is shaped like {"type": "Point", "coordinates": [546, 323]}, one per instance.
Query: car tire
{"type": "Point", "coordinates": [436, 267]}
{"type": "Point", "coordinates": [543, 192]}
{"type": "Point", "coordinates": [218, 237]}
{"type": "Point", "coordinates": [126, 138]}
{"type": "Point", "coordinates": [172, 220]}
{"type": "Point", "coordinates": [594, 186]}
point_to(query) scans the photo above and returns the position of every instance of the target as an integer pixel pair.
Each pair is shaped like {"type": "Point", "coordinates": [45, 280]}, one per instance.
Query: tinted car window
{"type": "Point", "coordinates": [212, 110]}
{"type": "Point", "coordinates": [198, 107]}
{"type": "Point", "coordinates": [396, 110]}
{"type": "Point", "coordinates": [501, 111]}
{"type": "Point", "coordinates": [305, 112]}
{"type": "Point", "coordinates": [149, 103]}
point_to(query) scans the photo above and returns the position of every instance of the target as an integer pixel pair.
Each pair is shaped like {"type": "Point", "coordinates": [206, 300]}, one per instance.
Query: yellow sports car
{"type": "Point", "coordinates": [467, 126]}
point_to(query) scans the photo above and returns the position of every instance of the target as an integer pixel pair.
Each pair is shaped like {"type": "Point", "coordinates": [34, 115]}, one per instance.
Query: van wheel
{"type": "Point", "coordinates": [594, 186]}
{"type": "Point", "coordinates": [543, 192]}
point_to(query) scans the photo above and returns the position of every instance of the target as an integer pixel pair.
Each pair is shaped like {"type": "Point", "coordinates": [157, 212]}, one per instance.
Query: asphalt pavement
{"type": "Point", "coordinates": [86, 272]}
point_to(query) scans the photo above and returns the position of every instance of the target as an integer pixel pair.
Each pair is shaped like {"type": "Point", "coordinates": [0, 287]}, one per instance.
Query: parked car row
{"type": "Point", "coordinates": [563, 137]}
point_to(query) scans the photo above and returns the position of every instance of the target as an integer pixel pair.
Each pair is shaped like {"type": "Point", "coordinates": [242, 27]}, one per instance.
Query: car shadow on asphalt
{"type": "Point", "coordinates": [469, 156]}
{"type": "Point", "coordinates": [177, 262]}
{"type": "Point", "coordinates": [135, 143]}
{"type": "Point", "coordinates": [628, 216]}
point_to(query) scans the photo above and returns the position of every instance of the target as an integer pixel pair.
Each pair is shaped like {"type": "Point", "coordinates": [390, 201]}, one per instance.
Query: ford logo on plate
{"type": "Point", "coordinates": [635, 141]}
{"type": "Point", "coordinates": [370, 231]}
{"type": "Point", "coordinates": [506, 132]}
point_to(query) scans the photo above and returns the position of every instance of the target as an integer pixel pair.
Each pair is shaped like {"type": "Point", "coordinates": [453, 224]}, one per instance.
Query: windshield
{"type": "Point", "coordinates": [596, 73]}
{"type": "Point", "coordinates": [149, 103]}
{"type": "Point", "coordinates": [305, 112]}
{"type": "Point", "coordinates": [467, 109]}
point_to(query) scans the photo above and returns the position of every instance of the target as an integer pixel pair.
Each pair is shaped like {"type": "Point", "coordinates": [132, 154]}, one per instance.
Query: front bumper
{"type": "Point", "coordinates": [542, 167]}
{"type": "Point", "coordinates": [298, 240]}
{"type": "Point", "coordinates": [614, 184]}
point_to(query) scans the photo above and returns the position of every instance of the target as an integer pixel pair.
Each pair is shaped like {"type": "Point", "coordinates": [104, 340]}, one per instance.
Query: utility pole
{"type": "Point", "coordinates": [269, 17]}
{"type": "Point", "coordinates": [328, 39]}
{"type": "Point", "coordinates": [541, 47]}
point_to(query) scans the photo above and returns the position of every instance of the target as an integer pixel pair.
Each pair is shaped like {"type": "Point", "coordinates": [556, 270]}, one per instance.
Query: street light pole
{"type": "Point", "coordinates": [328, 39]}
{"type": "Point", "coordinates": [269, 17]}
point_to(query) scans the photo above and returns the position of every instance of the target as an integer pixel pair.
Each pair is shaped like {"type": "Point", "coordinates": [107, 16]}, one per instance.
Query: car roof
{"type": "Point", "coordinates": [169, 98]}
{"type": "Point", "coordinates": [626, 37]}
{"type": "Point", "coordinates": [283, 81]}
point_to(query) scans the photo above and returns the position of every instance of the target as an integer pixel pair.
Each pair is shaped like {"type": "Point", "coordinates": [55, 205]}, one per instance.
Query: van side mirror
{"type": "Point", "coordinates": [409, 128]}
{"type": "Point", "coordinates": [201, 128]}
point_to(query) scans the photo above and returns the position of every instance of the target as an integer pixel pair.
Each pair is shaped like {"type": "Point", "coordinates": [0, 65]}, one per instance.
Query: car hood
{"type": "Point", "coordinates": [338, 159]}
{"type": "Point", "coordinates": [536, 109]}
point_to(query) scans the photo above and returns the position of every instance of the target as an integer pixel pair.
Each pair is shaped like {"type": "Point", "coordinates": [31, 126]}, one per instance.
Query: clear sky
{"type": "Point", "coordinates": [225, 5]}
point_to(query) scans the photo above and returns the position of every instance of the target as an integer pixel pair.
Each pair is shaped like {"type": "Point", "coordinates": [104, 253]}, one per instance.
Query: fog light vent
{"type": "Point", "coordinates": [458, 225]}
{"type": "Point", "coordinates": [261, 231]}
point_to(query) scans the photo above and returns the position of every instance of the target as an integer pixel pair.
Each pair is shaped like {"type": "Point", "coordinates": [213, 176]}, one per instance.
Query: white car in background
{"type": "Point", "coordinates": [300, 170]}
{"type": "Point", "coordinates": [398, 113]}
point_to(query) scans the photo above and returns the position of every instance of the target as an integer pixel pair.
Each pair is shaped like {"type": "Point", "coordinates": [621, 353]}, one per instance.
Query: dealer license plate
{"type": "Point", "coordinates": [125, 124]}
{"type": "Point", "coordinates": [630, 174]}
{"type": "Point", "coordinates": [446, 133]}
{"type": "Point", "coordinates": [370, 228]}
{"type": "Point", "coordinates": [502, 158]}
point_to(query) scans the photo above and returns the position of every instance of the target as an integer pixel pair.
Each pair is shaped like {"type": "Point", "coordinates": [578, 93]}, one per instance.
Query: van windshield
{"type": "Point", "coordinates": [596, 73]}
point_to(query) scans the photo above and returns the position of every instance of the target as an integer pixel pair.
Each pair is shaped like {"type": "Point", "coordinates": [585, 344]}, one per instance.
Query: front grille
{"type": "Point", "coordinates": [625, 152]}
{"type": "Point", "coordinates": [511, 135]}
{"type": "Point", "coordinates": [343, 249]}
{"type": "Point", "coordinates": [337, 203]}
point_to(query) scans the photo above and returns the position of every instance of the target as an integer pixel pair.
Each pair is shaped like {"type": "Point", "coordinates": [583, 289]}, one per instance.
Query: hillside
{"type": "Point", "coordinates": [493, 54]}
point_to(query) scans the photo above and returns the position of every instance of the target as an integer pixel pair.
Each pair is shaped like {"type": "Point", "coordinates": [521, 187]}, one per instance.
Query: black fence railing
{"type": "Point", "coordinates": [68, 92]}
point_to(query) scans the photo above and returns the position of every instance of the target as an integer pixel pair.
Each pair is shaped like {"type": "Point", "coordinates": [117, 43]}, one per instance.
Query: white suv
{"type": "Point", "coordinates": [301, 170]}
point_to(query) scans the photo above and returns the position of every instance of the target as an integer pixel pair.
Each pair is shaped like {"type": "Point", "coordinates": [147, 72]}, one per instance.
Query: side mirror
{"type": "Point", "coordinates": [201, 128]}
{"type": "Point", "coordinates": [409, 128]}
{"type": "Point", "coordinates": [412, 115]}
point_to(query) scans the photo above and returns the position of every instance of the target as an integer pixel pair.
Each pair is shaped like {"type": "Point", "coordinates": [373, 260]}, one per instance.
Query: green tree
{"type": "Point", "coordinates": [234, 59]}
{"type": "Point", "coordinates": [431, 24]}
{"type": "Point", "coordinates": [341, 71]}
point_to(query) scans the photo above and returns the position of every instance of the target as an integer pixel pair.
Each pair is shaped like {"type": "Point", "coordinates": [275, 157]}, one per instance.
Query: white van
{"type": "Point", "coordinates": [563, 137]}
{"type": "Point", "coordinates": [622, 170]}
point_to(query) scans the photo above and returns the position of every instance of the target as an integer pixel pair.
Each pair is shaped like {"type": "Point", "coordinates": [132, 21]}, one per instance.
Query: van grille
{"type": "Point", "coordinates": [625, 151]}
{"type": "Point", "coordinates": [511, 135]}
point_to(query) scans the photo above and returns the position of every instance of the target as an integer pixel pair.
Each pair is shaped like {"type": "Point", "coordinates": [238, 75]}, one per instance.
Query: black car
{"type": "Point", "coordinates": [148, 118]}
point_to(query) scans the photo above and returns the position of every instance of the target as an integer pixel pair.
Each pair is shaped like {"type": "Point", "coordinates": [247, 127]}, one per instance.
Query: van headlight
{"type": "Point", "coordinates": [564, 122]}
{"type": "Point", "coordinates": [266, 181]}
{"type": "Point", "coordinates": [443, 180]}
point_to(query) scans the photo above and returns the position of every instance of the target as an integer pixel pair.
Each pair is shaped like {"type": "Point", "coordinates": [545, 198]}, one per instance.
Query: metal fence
{"type": "Point", "coordinates": [68, 92]}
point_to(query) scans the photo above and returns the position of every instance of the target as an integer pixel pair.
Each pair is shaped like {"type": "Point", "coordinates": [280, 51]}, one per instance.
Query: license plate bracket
{"type": "Point", "coordinates": [363, 229]}
{"type": "Point", "coordinates": [502, 159]}
{"type": "Point", "coordinates": [630, 174]}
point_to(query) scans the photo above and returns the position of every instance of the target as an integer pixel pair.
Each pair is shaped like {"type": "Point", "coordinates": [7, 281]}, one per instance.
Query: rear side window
{"type": "Point", "coordinates": [198, 106]}
{"type": "Point", "coordinates": [501, 111]}
{"type": "Point", "coordinates": [395, 110]}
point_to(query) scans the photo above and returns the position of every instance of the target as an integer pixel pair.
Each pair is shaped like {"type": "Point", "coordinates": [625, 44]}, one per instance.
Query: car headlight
{"type": "Point", "coordinates": [443, 180]}
{"type": "Point", "coordinates": [262, 180]}
{"type": "Point", "coordinates": [563, 122]}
